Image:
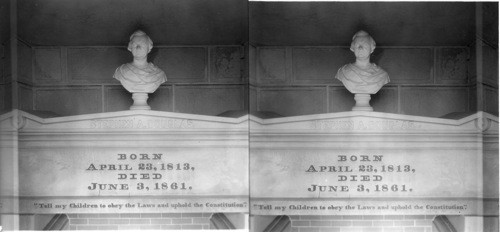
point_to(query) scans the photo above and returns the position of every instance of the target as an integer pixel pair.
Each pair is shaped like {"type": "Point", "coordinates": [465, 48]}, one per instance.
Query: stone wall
{"type": "Point", "coordinates": [143, 221]}
{"type": "Point", "coordinates": [288, 80]}
{"type": "Point", "coordinates": [5, 75]}
{"type": "Point", "coordinates": [425, 81]}
{"type": "Point", "coordinates": [205, 80]}
{"type": "Point", "coordinates": [378, 223]}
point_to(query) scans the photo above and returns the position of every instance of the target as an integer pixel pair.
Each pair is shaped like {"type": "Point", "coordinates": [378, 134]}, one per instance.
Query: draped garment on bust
{"type": "Point", "coordinates": [358, 80]}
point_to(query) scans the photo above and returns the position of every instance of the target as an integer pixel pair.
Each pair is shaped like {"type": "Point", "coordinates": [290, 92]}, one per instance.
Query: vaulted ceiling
{"type": "Point", "coordinates": [210, 22]}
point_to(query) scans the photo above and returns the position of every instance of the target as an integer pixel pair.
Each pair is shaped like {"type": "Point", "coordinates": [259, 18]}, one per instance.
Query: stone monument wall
{"type": "Point", "coordinates": [5, 86]}
{"type": "Point", "coordinates": [399, 172]}
{"type": "Point", "coordinates": [389, 223]}
{"type": "Point", "coordinates": [425, 81]}
{"type": "Point", "coordinates": [140, 221]}
{"type": "Point", "coordinates": [174, 188]}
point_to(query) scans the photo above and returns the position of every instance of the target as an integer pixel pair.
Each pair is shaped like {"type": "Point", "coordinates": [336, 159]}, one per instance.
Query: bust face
{"type": "Point", "coordinates": [139, 46]}
{"type": "Point", "coordinates": [362, 47]}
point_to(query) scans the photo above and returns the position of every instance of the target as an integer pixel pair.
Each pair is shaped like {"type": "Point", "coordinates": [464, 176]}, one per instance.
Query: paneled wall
{"type": "Point", "coordinates": [389, 223]}
{"type": "Point", "coordinates": [288, 80]}
{"type": "Point", "coordinates": [66, 80]}
{"type": "Point", "coordinates": [4, 94]}
{"type": "Point", "coordinates": [300, 80]}
{"type": "Point", "coordinates": [489, 81]}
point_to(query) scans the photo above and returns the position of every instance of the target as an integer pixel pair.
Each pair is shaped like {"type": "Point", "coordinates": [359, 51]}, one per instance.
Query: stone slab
{"type": "Point", "coordinates": [130, 171]}
{"type": "Point", "coordinates": [350, 206]}
{"type": "Point", "coordinates": [373, 162]}
{"type": "Point", "coordinates": [368, 123]}
{"type": "Point", "coordinates": [2, 64]}
{"type": "Point", "coordinates": [182, 64]}
{"type": "Point", "coordinates": [5, 94]}
{"type": "Point", "coordinates": [130, 204]}
{"type": "Point", "coordinates": [319, 65]}
{"type": "Point", "coordinates": [25, 56]}
{"type": "Point", "coordinates": [151, 159]}
{"type": "Point", "coordinates": [293, 101]}
{"type": "Point", "coordinates": [228, 64]}
{"type": "Point", "coordinates": [47, 65]}
{"type": "Point", "coordinates": [367, 172]}
{"type": "Point", "coordinates": [490, 66]}
{"type": "Point", "coordinates": [70, 101]}
{"type": "Point", "coordinates": [271, 66]}
{"type": "Point", "coordinates": [95, 64]}
{"type": "Point", "coordinates": [406, 65]}
{"type": "Point", "coordinates": [452, 65]}
{"type": "Point", "coordinates": [490, 100]}
{"type": "Point", "coordinates": [433, 102]}
{"type": "Point", "coordinates": [253, 98]}
{"type": "Point", "coordinates": [25, 97]}
{"type": "Point", "coordinates": [209, 100]}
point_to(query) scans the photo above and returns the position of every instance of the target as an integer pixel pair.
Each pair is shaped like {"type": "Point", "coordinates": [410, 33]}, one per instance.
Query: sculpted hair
{"type": "Point", "coordinates": [140, 33]}
{"type": "Point", "coordinates": [361, 34]}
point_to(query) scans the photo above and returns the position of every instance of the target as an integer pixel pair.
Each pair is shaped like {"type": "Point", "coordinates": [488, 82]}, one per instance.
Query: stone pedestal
{"type": "Point", "coordinates": [362, 102]}
{"type": "Point", "coordinates": [140, 101]}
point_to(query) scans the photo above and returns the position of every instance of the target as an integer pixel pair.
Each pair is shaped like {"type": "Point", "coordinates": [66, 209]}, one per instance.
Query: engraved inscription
{"type": "Point", "coordinates": [361, 173]}
{"type": "Point", "coordinates": [364, 125]}
{"type": "Point", "coordinates": [135, 123]}
{"type": "Point", "coordinates": [148, 169]}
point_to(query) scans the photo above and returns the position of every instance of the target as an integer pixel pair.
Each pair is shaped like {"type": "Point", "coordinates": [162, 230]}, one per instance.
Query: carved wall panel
{"type": "Point", "coordinates": [271, 66]}
{"type": "Point", "coordinates": [24, 60]}
{"type": "Point", "coordinates": [433, 102]}
{"type": "Point", "coordinates": [47, 66]}
{"type": "Point", "coordinates": [405, 65]}
{"type": "Point", "coordinates": [319, 65]}
{"type": "Point", "coordinates": [95, 65]}
{"type": "Point", "coordinates": [182, 64]}
{"type": "Point", "coordinates": [209, 100]}
{"type": "Point", "coordinates": [228, 64]}
{"type": "Point", "coordinates": [293, 101]}
{"type": "Point", "coordinates": [69, 101]}
{"type": "Point", "coordinates": [452, 65]}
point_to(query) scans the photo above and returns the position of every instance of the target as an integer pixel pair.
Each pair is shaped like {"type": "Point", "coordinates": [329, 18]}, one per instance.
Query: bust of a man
{"type": "Point", "coordinates": [140, 76]}
{"type": "Point", "coordinates": [362, 77]}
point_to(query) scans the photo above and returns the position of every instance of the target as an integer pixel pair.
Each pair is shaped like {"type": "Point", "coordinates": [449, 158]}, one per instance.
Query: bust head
{"type": "Point", "coordinates": [362, 77]}
{"type": "Point", "coordinates": [362, 44]}
{"type": "Point", "coordinates": [140, 44]}
{"type": "Point", "coordinates": [139, 76]}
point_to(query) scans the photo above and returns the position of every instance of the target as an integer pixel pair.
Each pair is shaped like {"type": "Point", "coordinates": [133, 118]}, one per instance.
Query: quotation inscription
{"type": "Point", "coordinates": [362, 207]}
{"type": "Point", "coordinates": [361, 169]}
{"type": "Point", "coordinates": [142, 168]}
{"type": "Point", "coordinates": [363, 125]}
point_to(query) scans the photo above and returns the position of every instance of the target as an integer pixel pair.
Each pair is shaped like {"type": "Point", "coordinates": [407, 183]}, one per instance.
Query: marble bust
{"type": "Point", "coordinates": [140, 77]}
{"type": "Point", "coordinates": [362, 77]}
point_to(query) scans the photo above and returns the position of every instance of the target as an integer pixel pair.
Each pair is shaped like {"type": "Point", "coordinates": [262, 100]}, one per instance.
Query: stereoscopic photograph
{"type": "Point", "coordinates": [256, 116]}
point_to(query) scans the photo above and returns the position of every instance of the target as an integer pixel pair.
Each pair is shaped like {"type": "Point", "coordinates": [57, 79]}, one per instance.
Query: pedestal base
{"type": "Point", "coordinates": [362, 102]}
{"type": "Point", "coordinates": [140, 101]}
